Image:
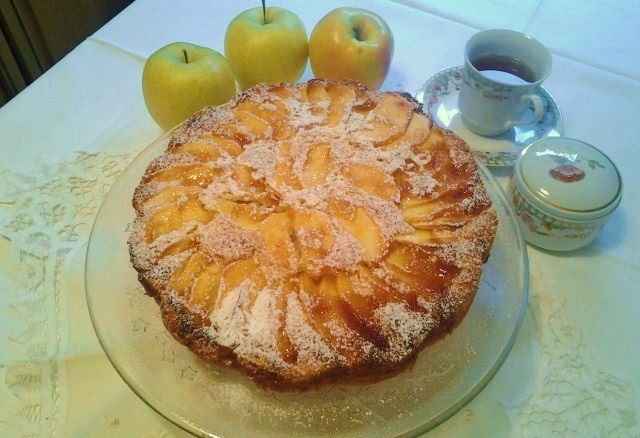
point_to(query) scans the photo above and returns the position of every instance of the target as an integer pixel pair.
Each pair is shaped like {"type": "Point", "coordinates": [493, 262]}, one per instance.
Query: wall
{"type": "Point", "coordinates": [35, 34]}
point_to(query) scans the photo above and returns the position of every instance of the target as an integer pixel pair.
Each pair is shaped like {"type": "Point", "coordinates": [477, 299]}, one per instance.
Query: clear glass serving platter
{"type": "Point", "coordinates": [211, 401]}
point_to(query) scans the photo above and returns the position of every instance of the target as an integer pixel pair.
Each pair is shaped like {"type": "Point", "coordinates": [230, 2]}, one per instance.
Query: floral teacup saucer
{"type": "Point", "coordinates": [439, 97]}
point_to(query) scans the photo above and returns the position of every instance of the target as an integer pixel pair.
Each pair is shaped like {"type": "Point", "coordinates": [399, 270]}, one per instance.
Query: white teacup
{"type": "Point", "coordinates": [503, 71]}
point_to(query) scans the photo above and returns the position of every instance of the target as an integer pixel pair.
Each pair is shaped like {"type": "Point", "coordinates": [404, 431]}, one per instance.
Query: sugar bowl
{"type": "Point", "coordinates": [563, 191]}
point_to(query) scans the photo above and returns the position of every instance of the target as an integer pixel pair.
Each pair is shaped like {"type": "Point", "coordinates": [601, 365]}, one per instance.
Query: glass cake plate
{"type": "Point", "coordinates": [209, 400]}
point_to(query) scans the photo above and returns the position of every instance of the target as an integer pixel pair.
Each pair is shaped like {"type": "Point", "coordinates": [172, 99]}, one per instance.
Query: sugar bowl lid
{"type": "Point", "coordinates": [568, 178]}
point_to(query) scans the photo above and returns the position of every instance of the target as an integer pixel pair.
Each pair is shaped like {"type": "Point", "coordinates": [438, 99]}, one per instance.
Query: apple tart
{"type": "Point", "coordinates": [312, 233]}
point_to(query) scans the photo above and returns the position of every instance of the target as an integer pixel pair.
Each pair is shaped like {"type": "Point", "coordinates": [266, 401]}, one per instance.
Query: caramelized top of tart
{"type": "Point", "coordinates": [311, 232]}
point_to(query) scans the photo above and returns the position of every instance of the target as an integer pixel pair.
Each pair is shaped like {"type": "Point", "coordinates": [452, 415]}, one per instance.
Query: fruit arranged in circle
{"type": "Point", "coordinates": [312, 233]}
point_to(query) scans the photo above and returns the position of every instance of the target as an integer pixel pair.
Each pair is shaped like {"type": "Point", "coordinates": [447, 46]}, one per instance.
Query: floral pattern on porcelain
{"type": "Point", "coordinates": [450, 77]}
{"type": "Point", "coordinates": [499, 159]}
{"type": "Point", "coordinates": [567, 171]}
{"type": "Point", "coordinates": [548, 231]}
{"type": "Point", "coordinates": [440, 92]}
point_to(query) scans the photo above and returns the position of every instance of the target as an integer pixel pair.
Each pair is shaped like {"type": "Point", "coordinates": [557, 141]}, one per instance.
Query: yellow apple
{"type": "Point", "coordinates": [351, 43]}
{"type": "Point", "coordinates": [181, 78]}
{"type": "Point", "coordinates": [266, 45]}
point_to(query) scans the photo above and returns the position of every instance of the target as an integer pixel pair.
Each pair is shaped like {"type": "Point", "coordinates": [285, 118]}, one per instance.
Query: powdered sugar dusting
{"type": "Point", "coordinates": [404, 327]}
{"type": "Point", "coordinates": [422, 184]}
{"type": "Point", "coordinates": [223, 237]}
{"type": "Point", "coordinates": [236, 324]}
{"type": "Point", "coordinates": [261, 156]}
{"type": "Point", "coordinates": [345, 253]}
{"type": "Point", "coordinates": [311, 185]}
{"type": "Point", "coordinates": [310, 345]}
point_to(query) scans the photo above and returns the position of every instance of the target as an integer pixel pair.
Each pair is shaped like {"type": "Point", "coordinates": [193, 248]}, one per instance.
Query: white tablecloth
{"type": "Point", "coordinates": [575, 367]}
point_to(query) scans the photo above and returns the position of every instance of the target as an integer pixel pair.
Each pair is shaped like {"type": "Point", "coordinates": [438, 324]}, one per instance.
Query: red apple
{"type": "Point", "coordinates": [351, 43]}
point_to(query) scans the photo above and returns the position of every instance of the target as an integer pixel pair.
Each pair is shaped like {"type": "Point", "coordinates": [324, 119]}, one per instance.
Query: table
{"type": "Point", "coordinates": [575, 367]}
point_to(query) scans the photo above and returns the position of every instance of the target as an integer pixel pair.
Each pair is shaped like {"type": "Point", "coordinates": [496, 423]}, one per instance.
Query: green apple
{"type": "Point", "coordinates": [181, 78]}
{"type": "Point", "coordinates": [266, 45]}
{"type": "Point", "coordinates": [351, 43]}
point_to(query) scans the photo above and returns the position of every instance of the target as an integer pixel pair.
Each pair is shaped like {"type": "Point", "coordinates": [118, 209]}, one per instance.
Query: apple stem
{"type": "Point", "coordinates": [186, 58]}
{"type": "Point", "coordinates": [357, 34]}
{"type": "Point", "coordinates": [264, 12]}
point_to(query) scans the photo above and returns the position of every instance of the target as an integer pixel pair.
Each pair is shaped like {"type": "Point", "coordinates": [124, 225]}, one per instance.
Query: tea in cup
{"type": "Point", "coordinates": [503, 71]}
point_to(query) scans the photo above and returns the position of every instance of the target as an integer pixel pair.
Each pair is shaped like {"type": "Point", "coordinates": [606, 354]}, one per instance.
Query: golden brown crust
{"type": "Point", "coordinates": [312, 233]}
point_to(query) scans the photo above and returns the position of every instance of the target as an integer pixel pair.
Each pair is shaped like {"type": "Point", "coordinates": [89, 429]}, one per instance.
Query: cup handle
{"type": "Point", "coordinates": [538, 110]}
